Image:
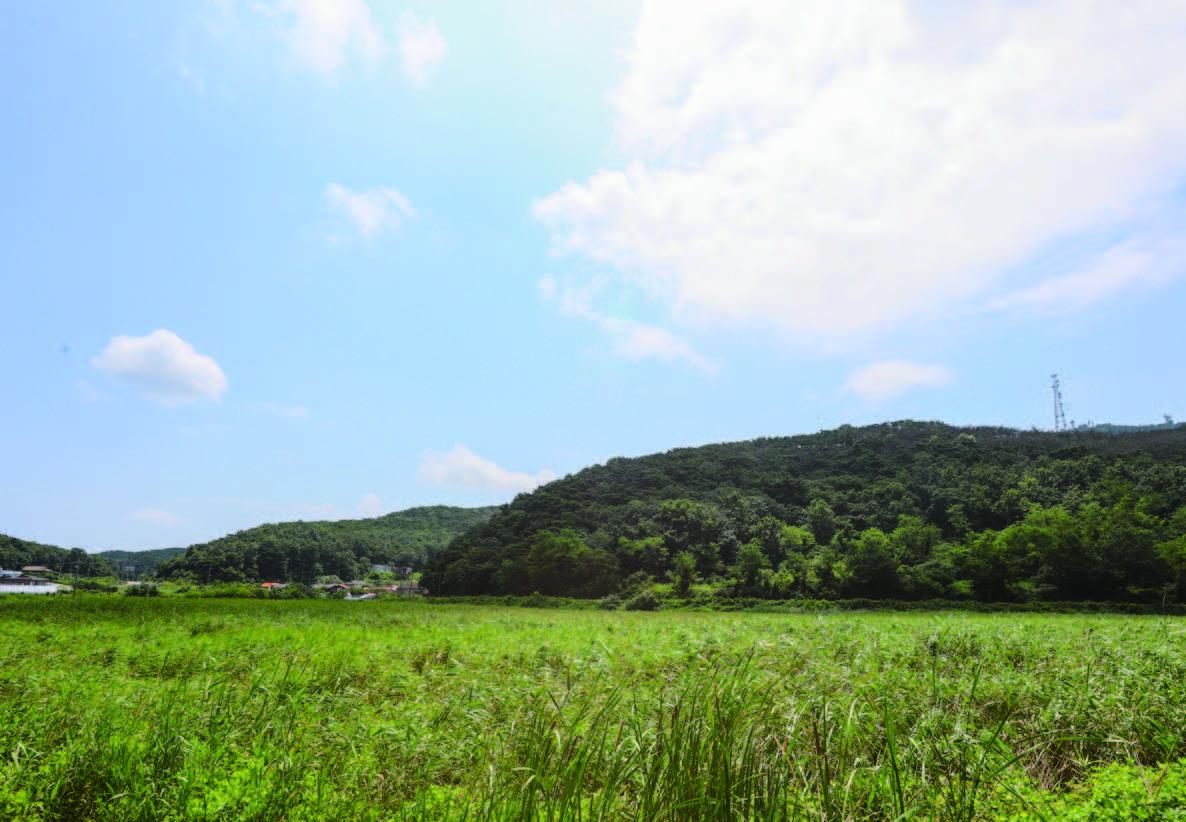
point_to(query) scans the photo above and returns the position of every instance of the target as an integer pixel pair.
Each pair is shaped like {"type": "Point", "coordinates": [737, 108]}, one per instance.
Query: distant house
{"type": "Point", "coordinates": [277, 585]}
{"type": "Point", "coordinates": [380, 569]}
{"type": "Point", "coordinates": [402, 571]}
{"type": "Point", "coordinates": [18, 582]}
{"type": "Point", "coordinates": [36, 569]}
{"type": "Point", "coordinates": [408, 589]}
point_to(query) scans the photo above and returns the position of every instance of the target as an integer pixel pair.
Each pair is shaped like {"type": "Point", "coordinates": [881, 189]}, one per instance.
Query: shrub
{"type": "Point", "coordinates": [96, 585]}
{"type": "Point", "coordinates": [645, 600]}
{"type": "Point", "coordinates": [295, 590]}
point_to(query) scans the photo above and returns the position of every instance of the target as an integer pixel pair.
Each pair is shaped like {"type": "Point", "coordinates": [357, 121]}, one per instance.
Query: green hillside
{"type": "Point", "coordinates": [16, 553]}
{"type": "Point", "coordinates": [139, 563]}
{"type": "Point", "coordinates": [302, 551]}
{"type": "Point", "coordinates": [898, 510]}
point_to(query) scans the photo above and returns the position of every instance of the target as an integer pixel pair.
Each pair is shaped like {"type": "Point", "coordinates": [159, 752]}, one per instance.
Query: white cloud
{"type": "Point", "coordinates": [630, 339]}
{"type": "Point", "coordinates": [463, 468]}
{"type": "Point", "coordinates": [279, 409]}
{"type": "Point", "coordinates": [1146, 260]}
{"type": "Point", "coordinates": [892, 378]}
{"type": "Point", "coordinates": [421, 48]}
{"type": "Point", "coordinates": [155, 516]}
{"type": "Point", "coordinates": [163, 366]}
{"type": "Point", "coordinates": [373, 210]}
{"type": "Point", "coordinates": [840, 169]}
{"type": "Point", "coordinates": [370, 506]}
{"type": "Point", "coordinates": [322, 34]}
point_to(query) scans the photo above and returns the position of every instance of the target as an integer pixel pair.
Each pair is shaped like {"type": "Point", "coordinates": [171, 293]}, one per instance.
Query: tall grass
{"type": "Point", "coordinates": [198, 709]}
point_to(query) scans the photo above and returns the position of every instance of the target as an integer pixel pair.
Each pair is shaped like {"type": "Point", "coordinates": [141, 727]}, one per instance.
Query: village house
{"type": "Point", "coordinates": [18, 582]}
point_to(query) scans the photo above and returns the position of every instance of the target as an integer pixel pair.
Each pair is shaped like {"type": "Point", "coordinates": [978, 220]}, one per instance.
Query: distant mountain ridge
{"type": "Point", "coordinates": [301, 551]}
{"type": "Point", "coordinates": [281, 551]}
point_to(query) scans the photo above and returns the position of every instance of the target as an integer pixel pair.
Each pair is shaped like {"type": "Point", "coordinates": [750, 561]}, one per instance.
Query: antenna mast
{"type": "Point", "coordinates": [1060, 417]}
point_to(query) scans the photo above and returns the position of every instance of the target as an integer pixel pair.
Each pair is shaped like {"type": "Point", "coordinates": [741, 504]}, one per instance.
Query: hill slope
{"type": "Point", "coordinates": [16, 553]}
{"type": "Point", "coordinates": [302, 551]}
{"type": "Point", "coordinates": [905, 509]}
{"type": "Point", "coordinates": [139, 563]}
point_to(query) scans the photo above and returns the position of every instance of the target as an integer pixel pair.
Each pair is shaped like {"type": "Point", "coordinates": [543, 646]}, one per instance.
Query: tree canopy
{"type": "Point", "coordinates": [303, 551]}
{"type": "Point", "coordinates": [17, 553]}
{"type": "Point", "coordinates": [899, 510]}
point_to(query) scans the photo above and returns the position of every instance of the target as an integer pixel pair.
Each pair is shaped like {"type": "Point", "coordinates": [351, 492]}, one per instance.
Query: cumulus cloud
{"type": "Point", "coordinates": [463, 468]}
{"type": "Point", "coordinates": [421, 48]}
{"type": "Point", "coordinates": [322, 34]}
{"type": "Point", "coordinates": [1146, 260]}
{"type": "Point", "coordinates": [373, 210]}
{"type": "Point", "coordinates": [370, 506]}
{"type": "Point", "coordinates": [328, 37]}
{"type": "Point", "coordinates": [164, 366]}
{"type": "Point", "coordinates": [835, 170]}
{"type": "Point", "coordinates": [155, 516]}
{"type": "Point", "coordinates": [889, 379]}
{"type": "Point", "coordinates": [629, 339]}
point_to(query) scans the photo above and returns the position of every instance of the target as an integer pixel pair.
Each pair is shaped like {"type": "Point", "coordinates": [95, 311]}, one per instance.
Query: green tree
{"type": "Point", "coordinates": [683, 573]}
{"type": "Point", "coordinates": [751, 561]}
{"type": "Point", "coordinates": [821, 519]}
{"type": "Point", "coordinates": [913, 539]}
{"type": "Point", "coordinates": [874, 569]}
{"type": "Point", "coordinates": [561, 564]}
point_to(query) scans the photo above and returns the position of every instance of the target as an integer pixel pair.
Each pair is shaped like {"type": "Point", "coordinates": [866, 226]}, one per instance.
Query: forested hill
{"type": "Point", "coordinates": [302, 551]}
{"type": "Point", "coordinates": [139, 563]}
{"type": "Point", "coordinates": [17, 553]}
{"type": "Point", "coordinates": [904, 509]}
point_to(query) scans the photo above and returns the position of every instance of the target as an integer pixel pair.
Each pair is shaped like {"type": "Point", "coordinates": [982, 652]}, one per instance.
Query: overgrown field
{"type": "Point", "coordinates": [122, 708]}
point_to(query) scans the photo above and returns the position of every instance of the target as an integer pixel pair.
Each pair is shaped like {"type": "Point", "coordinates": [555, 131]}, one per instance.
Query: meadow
{"type": "Point", "coordinates": [170, 708]}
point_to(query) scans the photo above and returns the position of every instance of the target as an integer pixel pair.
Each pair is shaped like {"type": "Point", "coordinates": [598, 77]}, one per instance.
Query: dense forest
{"type": "Point", "coordinates": [139, 563]}
{"type": "Point", "coordinates": [303, 551]}
{"type": "Point", "coordinates": [16, 553]}
{"type": "Point", "coordinates": [908, 510]}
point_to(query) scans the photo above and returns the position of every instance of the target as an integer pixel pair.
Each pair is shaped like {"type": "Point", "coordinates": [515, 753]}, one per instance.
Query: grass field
{"type": "Point", "coordinates": [124, 708]}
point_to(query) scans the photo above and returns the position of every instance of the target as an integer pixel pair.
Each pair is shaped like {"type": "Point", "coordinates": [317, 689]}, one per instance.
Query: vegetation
{"type": "Point", "coordinates": [162, 708]}
{"type": "Point", "coordinates": [17, 553]}
{"type": "Point", "coordinates": [144, 562]}
{"type": "Point", "coordinates": [903, 510]}
{"type": "Point", "coordinates": [303, 551]}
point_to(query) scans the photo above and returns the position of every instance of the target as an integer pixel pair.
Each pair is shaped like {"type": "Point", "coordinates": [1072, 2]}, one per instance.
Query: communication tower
{"type": "Point", "coordinates": [1060, 417]}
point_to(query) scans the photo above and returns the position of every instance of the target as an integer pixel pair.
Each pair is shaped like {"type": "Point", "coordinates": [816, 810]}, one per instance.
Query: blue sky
{"type": "Point", "coordinates": [325, 258]}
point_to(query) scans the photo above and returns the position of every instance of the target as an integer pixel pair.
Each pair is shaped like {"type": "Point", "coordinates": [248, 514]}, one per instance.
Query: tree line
{"type": "Point", "coordinates": [903, 510]}
{"type": "Point", "coordinates": [17, 553]}
{"type": "Point", "coordinates": [304, 551]}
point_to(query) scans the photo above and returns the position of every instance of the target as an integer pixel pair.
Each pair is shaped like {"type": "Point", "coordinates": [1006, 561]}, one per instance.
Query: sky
{"type": "Point", "coordinates": [273, 259]}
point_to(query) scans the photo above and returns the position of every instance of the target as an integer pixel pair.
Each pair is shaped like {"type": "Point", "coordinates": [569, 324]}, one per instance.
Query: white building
{"type": "Point", "coordinates": [14, 582]}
